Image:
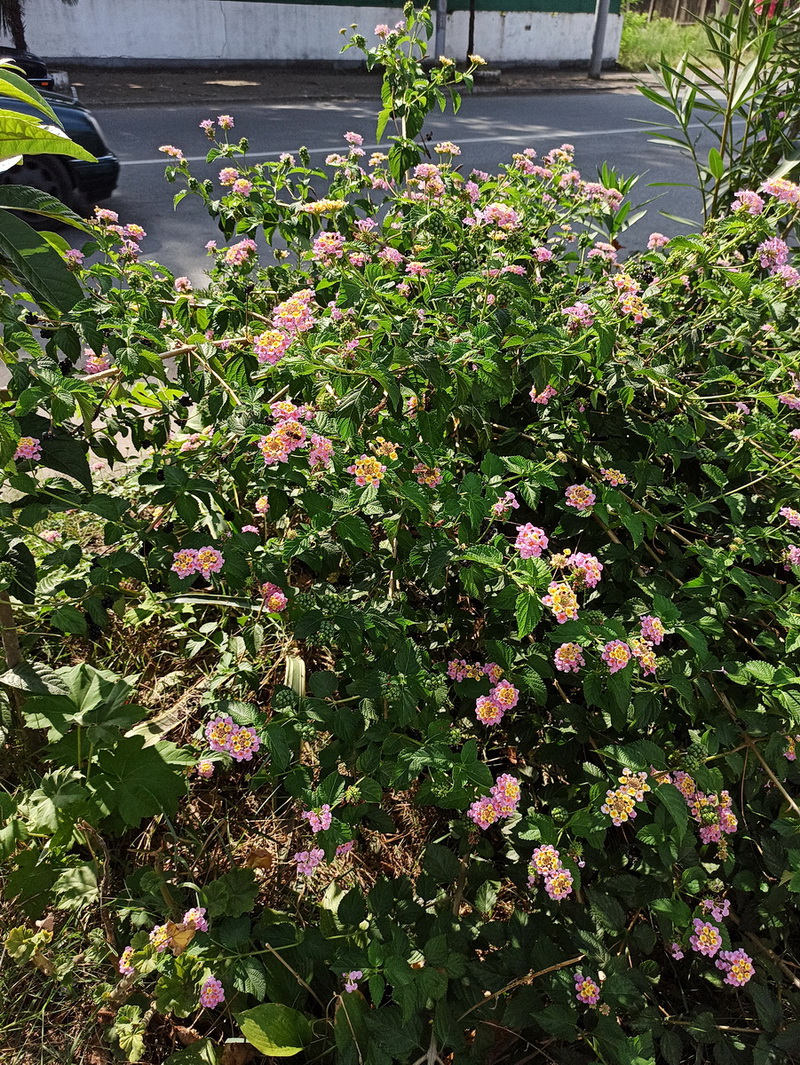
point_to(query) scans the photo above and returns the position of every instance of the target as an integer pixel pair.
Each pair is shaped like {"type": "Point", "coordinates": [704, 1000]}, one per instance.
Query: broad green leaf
{"type": "Point", "coordinates": [59, 800]}
{"type": "Point", "coordinates": [715, 163]}
{"type": "Point", "coordinates": [136, 782]}
{"type": "Point", "coordinates": [68, 619]}
{"type": "Point", "coordinates": [202, 1052]}
{"type": "Point", "coordinates": [35, 678]}
{"type": "Point", "coordinates": [23, 583]}
{"type": "Point", "coordinates": [231, 895]}
{"type": "Point", "coordinates": [350, 1025]}
{"type": "Point", "coordinates": [669, 796]}
{"type": "Point", "coordinates": [22, 135]}
{"type": "Point", "coordinates": [275, 1029]}
{"type": "Point", "coordinates": [14, 87]}
{"type": "Point", "coordinates": [528, 611]}
{"type": "Point", "coordinates": [23, 198]}
{"type": "Point", "coordinates": [77, 887]}
{"type": "Point", "coordinates": [36, 263]}
{"type": "Point", "coordinates": [354, 530]}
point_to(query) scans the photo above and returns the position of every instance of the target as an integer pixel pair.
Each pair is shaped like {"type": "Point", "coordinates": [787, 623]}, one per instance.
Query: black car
{"type": "Point", "coordinates": [34, 68]}
{"type": "Point", "coordinates": [74, 181]}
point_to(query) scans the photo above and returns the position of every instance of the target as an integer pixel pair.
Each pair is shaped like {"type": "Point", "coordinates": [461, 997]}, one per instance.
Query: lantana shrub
{"type": "Point", "coordinates": [473, 551]}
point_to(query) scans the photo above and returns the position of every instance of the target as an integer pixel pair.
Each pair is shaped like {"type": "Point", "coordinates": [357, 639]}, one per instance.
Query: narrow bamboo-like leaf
{"type": "Point", "coordinates": [295, 675]}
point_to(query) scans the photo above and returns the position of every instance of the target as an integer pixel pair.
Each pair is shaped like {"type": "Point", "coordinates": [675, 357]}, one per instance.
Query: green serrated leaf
{"type": "Point", "coordinates": [275, 1029]}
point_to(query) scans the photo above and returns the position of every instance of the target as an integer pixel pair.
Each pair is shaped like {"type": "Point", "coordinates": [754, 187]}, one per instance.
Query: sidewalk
{"type": "Point", "coordinates": [205, 84]}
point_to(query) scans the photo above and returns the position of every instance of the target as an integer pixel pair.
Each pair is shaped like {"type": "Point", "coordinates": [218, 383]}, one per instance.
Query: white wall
{"type": "Point", "coordinates": [231, 30]}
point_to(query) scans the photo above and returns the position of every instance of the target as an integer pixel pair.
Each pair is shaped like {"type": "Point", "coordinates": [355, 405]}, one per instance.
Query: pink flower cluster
{"type": "Point", "coordinates": [616, 654]}
{"type": "Point", "coordinates": [546, 863]}
{"type": "Point", "coordinates": [287, 436]}
{"type": "Point", "coordinates": [613, 477]}
{"type": "Point", "coordinates": [204, 560]}
{"type": "Point", "coordinates": [610, 198]}
{"type": "Point", "coordinates": [585, 568]}
{"type": "Point", "coordinates": [95, 363]}
{"type": "Point", "coordinates": [489, 709]}
{"type": "Point", "coordinates": [620, 804]}
{"type": "Point", "coordinates": [652, 629]}
{"type": "Point", "coordinates": [643, 652]}
{"type": "Point", "coordinates": [772, 253]}
{"type": "Point", "coordinates": [196, 916]}
{"type": "Point", "coordinates": [28, 447]}
{"type": "Point", "coordinates": [459, 670]}
{"type": "Point", "coordinates": [211, 993]}
{"type": "Point", "coordinates": [502, 802]}
{"type": "Point", "coordinates": [581, 497]}
{"type": "Point", "coordinates": [391, 256]}
{"type": "Point", "coordinates": [783, 190]}
{"type": "Point", "coordinates": [705, 938]}
{"type": "Point", "coordinates": [586, 990]}
{"type": "Point", "coordinates": [328, 247]}
{"type": "Point", "coordinates": [205, 768]}
{"type": "Point", "coordinates": [307, 861]}
{"type": "Point", "coordinates": [289, 319]}
{"type": "Point", "coordinates": [747, 201]}
{"type": "Point", "coordinates": [506, 503]}
{"type": "Point", "coordinates": [601, 250]}
{"type": "Point", "coordinates": [240, 253]}
{"type": "Point", "coordinates": [719, 909]}
{"type": "Point", "coordinates": [240, 741]}
{"type": "Point", "coordinates": [274, 598]}
{"type": "Point", "coordinates": [429, 476]}
{"type": "Point", "coordinates": [562, 601]}
{"type": "Point", "coordinates": [790, 754]}
{"type": "Point", "coordinates": [737, 966]}
{"type": "Point", "coordinates": [318, 819]}
{"type": "Point", "coordinates": [543, 397]}
{"type": "Point", "coordinates": [712, 812]}
{"type": "Point", "coordinates": [569, 658]}
{"type": "Point", "coordinates": [321, 451]}
{"type": "Point", "coordinates": [124, 964]}
{"type": "Point", "coordinates": [367, 471]}
{"type": "Point", "coordinates": [159, 938]}
{"type": "Point", "coordinates": [499, 214]}
{"type": "Point", "coordinates": [579, 316]}
{"type": "Point", "coordinates": [271, 345]}
{"type": "Point", "coordinates": [530, 541]}
{"type": "Point", "coordinates": [792, 516]}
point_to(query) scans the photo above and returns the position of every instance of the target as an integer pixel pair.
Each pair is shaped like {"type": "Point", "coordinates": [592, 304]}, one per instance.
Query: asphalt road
{"type": "Point", "coordinates": [603, 128]}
